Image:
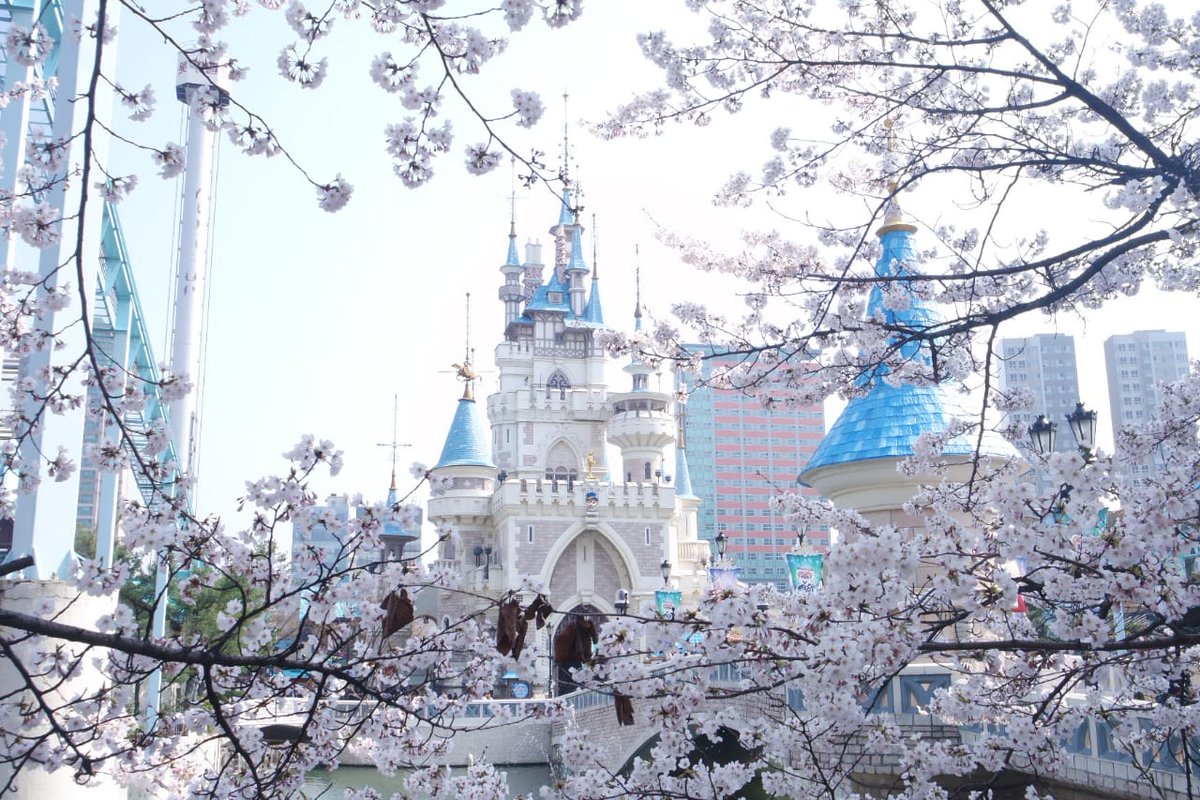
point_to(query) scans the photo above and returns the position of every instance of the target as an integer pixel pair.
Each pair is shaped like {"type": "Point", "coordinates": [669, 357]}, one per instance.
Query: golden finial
{"type": "Point", "coordinates": [893, 219]}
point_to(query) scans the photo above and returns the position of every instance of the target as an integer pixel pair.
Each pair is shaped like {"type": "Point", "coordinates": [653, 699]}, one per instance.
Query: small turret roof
{"type": "Point", "coordinates": [576, 262]}
{"type": "Point", "coordinates": [683, 476]}
{"type": "Point", "coordinates": [592, 313]}
{"type": "Point", "coordinates": [467, 443]}
{"type": "Point", "coordinates": [565, 215]}
{"type": "Point", "coordinates": [513, 260]}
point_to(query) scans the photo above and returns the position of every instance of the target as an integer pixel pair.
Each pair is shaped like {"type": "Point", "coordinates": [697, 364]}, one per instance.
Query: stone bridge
{"type": "Point", "coordinates": [1094, 766]}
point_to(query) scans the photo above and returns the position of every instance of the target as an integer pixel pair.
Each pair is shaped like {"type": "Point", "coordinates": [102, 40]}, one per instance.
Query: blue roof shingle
{"type": "Point", "coordinates": [467, 442]}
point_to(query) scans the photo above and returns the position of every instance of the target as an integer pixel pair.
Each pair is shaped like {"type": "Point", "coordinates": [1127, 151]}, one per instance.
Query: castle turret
{"type": "Point", "coordinates": [642, 424]}
{"type": "Point", "coordinates": [512, 293]}
{"type": "Point", "coordinates": [576, 271]}
{"type": "Point", "coordinates": [464, 479]}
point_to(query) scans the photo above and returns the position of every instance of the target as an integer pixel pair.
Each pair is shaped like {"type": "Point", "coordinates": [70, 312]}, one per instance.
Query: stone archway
{"type": "Point", "coordinates": [573, 642]}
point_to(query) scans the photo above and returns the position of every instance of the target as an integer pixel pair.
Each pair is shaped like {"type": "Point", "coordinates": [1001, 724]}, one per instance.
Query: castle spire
{"type": "Point", "coordinates": [592, 313]}
{"type": "Point", "coordinates": [637, 306]}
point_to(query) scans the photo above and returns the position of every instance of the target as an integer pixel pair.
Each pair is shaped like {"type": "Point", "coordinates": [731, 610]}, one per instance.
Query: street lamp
{"type": "Point", "coordinates": [722, 542]}
{"type": "Point", "coordinates": [665, 569]}
{"type": "Point", "coordinates": [1083, 428]}
{"type": "Point", "coordinates": [1041, 434]}
{"type": "Point", "coordinates": [487, 564]}
{"type": "Point", "coordinates": [801, 531]}
{"type": "Point", "coordinates": [622, 603]}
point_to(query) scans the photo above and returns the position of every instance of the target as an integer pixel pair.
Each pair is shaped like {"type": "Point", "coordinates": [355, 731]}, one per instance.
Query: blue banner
{"type": "Point", "coordinates": [666, 602]}
{"type": "Point", "coordinates": [805, 571]}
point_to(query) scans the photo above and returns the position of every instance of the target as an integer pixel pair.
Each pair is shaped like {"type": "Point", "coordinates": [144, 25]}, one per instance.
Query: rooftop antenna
{"type": "Point", "coordinates": [394, 444]}
{"type": "Point", "coordinates": [637, 308]}
{"type": "Point", "coordinates": [466, 373]}
{"type": "Point", "coordinates": [595, 236]}
{"type": "Point", "coordinates": [566, 169]}
{"type": "Point", "coordinates": [512, 197]}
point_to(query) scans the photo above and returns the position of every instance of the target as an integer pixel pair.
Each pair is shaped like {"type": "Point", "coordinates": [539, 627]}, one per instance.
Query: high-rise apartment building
{"type": "Point", "coordinates": [741, 453]}
{"type": "Point", "coordinates": [1045, 366]}
{"type": "Point", "coordinates": [1137, 364]}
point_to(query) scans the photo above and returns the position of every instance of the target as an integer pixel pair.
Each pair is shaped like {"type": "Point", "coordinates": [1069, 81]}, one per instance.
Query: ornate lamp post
{"type": "Point", "coordinates": [722, 542]}
{"type": "Point", "coordinates": [622, 602]}
{"type": "Point", "coordinates": [665, 569]}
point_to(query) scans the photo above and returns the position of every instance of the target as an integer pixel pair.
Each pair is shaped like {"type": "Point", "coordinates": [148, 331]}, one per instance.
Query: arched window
{"type": "Point", "coordinates": [558, 380]}
{"type": "Point", "coordinates": [647, 470]}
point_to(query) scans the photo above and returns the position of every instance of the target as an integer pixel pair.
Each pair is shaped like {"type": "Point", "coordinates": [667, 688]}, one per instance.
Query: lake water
{"type": "Point", "coordinates": [522, 780]}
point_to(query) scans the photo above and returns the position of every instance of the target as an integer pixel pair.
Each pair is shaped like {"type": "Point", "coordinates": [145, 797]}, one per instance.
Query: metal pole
{"type": "Point", "coordinates": [193, 82]}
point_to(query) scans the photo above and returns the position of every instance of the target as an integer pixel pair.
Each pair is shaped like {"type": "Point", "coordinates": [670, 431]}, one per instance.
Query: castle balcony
{"type": "Point", "coordinates": [642, 430]}
{"type": "Point", "coordinates": [572, 499]}
{"type": "Point", "coordinates": [588, 405]}
{"type": "Point", "coordinates": [458, 506]}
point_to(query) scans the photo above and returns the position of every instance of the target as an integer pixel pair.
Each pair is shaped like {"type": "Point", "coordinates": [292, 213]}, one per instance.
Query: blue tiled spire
{"type": "Point", "coordinates": [592, 313]}
{"type": "Point", "coordinates": [392, 528]}
{"type": "Point", "coordinates": [683, 476]}
{"type": "Point", "coordinates": [467, 443]}
{"type": "Point", "coordinates": [513, 260]}
{"type": "Point", "coordinates": [888, 419]}
{"type": "Point", "coordinates": [576, 262]}
{"type": "Point", "coordinates": [565, 215]}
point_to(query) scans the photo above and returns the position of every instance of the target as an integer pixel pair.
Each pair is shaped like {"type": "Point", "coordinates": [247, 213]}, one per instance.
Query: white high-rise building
{"type": "Point", "coordinates": [1138, 364]}
{"type": "Point", "coordinates": [1044, 365]}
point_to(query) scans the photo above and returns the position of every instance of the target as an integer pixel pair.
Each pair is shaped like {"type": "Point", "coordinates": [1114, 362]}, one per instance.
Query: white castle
{"type": "Point", "coordinates": [531, 491]}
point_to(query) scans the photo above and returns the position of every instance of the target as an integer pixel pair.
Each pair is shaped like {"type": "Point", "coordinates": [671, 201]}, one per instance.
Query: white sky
{"type": "Point", "coordinates": [317, 320]}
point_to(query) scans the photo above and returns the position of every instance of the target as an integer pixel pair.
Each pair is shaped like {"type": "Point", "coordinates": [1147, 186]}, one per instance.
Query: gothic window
{"type": "Point", "coordinates": [562, 464]}
{"type": "Point", "coordinates": [558, 380]}
{"type": "Point", "coordinates": [646, 470]}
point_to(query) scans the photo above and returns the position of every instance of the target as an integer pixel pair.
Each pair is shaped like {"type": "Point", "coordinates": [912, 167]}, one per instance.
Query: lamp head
{"type": "Point", "coordinates": [1042, 435]}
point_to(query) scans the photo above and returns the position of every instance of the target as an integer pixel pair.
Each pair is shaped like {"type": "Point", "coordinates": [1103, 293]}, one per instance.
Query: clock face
{"type": "Point", "coordinates": [520, 690]}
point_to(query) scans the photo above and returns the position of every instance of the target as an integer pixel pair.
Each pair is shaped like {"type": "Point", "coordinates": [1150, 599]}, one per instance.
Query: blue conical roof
{"type": "Point", "coordinates": [887, 421]}
{"type": "Point", "coordinates": [683, 476]}
{"type": "Point", "coordinates": [512, 260]}
{"type": "Point", "coordinates": [391, 527]}
{"type": "Point", "coordinates": [576, 262]}
{"type": "Point", "coordinates": [592, 313]}
{"type": "Point", "coordinates": [467, 443]}
{"type": "Point", "coordinates": [565, 215]}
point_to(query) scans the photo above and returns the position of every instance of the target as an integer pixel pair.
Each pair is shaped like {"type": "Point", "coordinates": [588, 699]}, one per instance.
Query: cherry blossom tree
{"type": "Point", "coordinates": [989, 107]}
{"type": "Point", "coordinates": [988, 103]}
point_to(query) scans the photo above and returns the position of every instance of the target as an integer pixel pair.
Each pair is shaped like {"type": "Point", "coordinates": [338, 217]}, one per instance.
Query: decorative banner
{"type": "Point", "coordinates": [666, 601]}
{"type": "Point", "coordinates": [723, 577]}
{"type": "Point", "coordinates": [804, 571]}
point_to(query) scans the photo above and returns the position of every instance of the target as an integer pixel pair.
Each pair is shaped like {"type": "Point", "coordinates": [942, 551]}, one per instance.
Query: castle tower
{"type": "Point", "coordinates": [855, 465]}
{"type": "Point", "coordinates": [642, 424]}
{"type": "Point", "coordinates": [512, 292]}
{"type": "Point", "coordinates": [462, 485]}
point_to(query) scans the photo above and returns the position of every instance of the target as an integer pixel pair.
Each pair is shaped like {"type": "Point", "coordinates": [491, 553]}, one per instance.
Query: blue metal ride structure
{"type": "Point", "coordinates": [121, 339]}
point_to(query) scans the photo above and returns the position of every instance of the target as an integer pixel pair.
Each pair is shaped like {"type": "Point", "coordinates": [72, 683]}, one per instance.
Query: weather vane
{"type": "Point", "coordinates": [466, 373]}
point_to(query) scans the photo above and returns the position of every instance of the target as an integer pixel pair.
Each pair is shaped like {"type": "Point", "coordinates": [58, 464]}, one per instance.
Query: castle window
{"type": "Point", "coordinates": [646, 470]}
{"type": "Point", "coordinates": [529, 534]}
{"type": "Point", "coordinates": [558, 381]}
{"type": "Point", "coordinates": [647, 535]}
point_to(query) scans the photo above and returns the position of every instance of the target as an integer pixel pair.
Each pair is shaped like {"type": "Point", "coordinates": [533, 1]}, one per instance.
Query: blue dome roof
{"type": "Point", "coordinates": [467, 442]}
{"type": "Point", "coordinates": [887, 421]}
